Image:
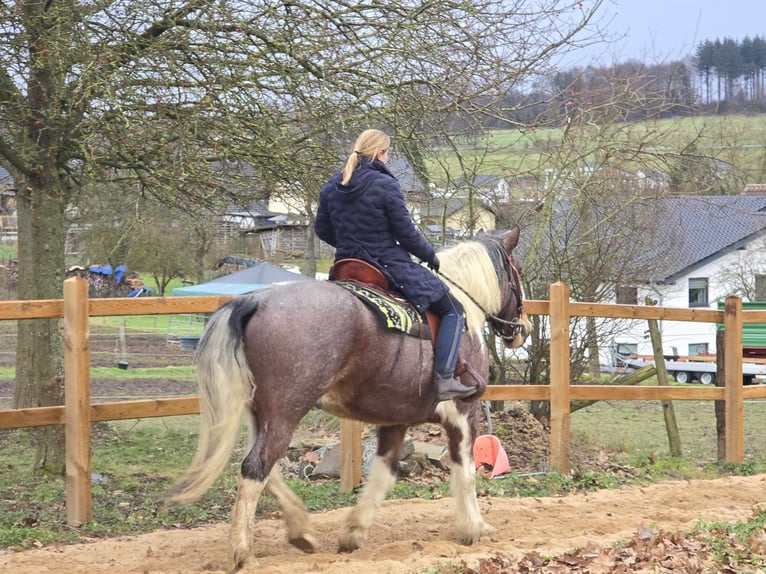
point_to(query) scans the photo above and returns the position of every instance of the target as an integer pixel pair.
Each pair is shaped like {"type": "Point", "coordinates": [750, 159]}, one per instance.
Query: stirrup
{"type": "Point", "coordinates": [448, 388]}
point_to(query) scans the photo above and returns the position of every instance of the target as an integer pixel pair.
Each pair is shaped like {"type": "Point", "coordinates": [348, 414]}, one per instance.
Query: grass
{"type": "Point", "coordinates": [8, 252]}
{"type": "Point", "coordinates": [637, 428]}
{"type": "Point", "coordinates": [115, 373]}
{"type": "Point", "coordinates": [735, 139]}
{"type": "Point", "coordinates": [739, 545]}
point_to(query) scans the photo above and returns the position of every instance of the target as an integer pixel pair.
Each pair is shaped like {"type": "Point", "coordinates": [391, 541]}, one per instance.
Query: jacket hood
{"type": "Point", "coordinates": [362, 178]}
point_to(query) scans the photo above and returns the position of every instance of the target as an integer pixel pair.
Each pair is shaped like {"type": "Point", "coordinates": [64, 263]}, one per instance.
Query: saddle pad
{"type": "Point", "coordinates": [396, 314]}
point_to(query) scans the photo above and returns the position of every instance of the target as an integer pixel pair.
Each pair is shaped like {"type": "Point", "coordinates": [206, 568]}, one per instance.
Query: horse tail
{"type": "Point", "coordinates": [225, 384]}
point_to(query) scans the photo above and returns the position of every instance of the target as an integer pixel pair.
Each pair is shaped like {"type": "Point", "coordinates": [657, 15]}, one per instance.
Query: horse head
{"type": "Point", "coordinates": [510, 323]}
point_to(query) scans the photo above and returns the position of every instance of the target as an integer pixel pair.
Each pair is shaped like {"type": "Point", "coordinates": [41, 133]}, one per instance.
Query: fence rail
{"type": "Point", "coordinates": [77, 413]}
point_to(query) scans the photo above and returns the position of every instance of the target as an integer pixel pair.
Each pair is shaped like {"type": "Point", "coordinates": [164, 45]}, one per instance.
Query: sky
{"type": "Point", "coordinates": [667, 30]}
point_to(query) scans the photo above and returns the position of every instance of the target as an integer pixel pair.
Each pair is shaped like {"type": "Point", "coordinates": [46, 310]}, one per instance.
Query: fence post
{"type": "Point", "coordinates": [733, 394]}
{"type": "Point", "coordinates": [350, 454]}
{"type": "Point", "coordinates": [559, 371]}
{"type": "Point", "coordinates": [79, 506]}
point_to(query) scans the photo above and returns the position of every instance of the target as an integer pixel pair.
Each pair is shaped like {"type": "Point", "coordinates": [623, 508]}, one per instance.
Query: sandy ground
{"type": "Point", "coordinates": [410, 536]}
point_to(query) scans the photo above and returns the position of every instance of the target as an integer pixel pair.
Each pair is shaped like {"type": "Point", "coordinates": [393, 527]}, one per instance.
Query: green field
{"type": "Point", "coordinates": [738, 140]}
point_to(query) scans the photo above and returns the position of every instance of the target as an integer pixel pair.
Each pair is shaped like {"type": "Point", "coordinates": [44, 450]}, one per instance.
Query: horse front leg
{"type": "Point", "coordinates": [469, 524]}
{"type": "Point", "coordinates": [381, 479]}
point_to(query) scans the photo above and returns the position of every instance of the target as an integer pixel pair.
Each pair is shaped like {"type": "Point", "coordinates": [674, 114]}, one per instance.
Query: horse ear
{"type": "Point", "coordinates": [510, 239]}
{"type": "Point", "coordinates": [480, 233]}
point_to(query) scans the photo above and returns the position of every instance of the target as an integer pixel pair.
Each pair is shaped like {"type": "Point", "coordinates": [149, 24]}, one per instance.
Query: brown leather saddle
{"type": "Point", "coordinates": [364, 272]}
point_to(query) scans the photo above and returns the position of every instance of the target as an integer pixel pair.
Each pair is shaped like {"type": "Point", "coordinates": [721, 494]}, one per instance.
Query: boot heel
{"type": "Point", "coordinates": [448, 388]}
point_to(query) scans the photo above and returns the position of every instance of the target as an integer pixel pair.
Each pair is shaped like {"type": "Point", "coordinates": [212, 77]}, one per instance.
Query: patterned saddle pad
{"type": "Point", "coordinates": [396, 314]}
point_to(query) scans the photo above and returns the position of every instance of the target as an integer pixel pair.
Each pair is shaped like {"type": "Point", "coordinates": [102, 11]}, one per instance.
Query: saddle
{"type": "Point", "coordinates": [355, 273]}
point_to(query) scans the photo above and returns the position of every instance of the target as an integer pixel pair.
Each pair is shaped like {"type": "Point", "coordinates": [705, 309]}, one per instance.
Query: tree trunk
{"type": "Point", "coordinates": [633, 378]}
{"type": "Point", "coordinates": [309, 257]}
{"type": "Point", "coordinates": [594, 366]}
{"type": "Point", "coordinates": [720, 406]}
{"type": "Point", "coordinates": [538, 368]}
{"type": "Point", "coordinates": [671, 425]}
{"type": "Point", "coordinates": [497, 369]}
{"type": "Point", "coordinates": [39, 344]}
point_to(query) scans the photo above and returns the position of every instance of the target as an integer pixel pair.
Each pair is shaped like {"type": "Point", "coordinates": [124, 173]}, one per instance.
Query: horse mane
{"type": "Point", "coordinates": [468, 268]}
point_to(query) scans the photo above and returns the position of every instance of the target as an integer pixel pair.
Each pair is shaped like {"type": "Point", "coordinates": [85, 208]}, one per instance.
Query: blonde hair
{"type": "Point", "coordinates": [369, 144]}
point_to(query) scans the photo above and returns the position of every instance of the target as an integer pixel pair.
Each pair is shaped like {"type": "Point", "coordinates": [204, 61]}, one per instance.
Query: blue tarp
{"type": "Point", "coordinates": [107, 270]}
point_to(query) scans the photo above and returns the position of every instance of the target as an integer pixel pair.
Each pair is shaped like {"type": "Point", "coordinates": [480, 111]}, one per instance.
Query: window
{"type": "Point", "coordinates": [627, 295]}
{"type": "Point", "coordinates": [627, 349]}
{"type": "Point", "coordinates": [698, 349]}
{"type": "Point", "coordinates": [698, 292]}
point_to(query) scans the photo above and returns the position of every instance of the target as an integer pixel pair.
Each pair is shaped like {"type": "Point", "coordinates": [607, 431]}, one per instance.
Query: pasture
{"type": "Point", "coordinates": [737, 140]}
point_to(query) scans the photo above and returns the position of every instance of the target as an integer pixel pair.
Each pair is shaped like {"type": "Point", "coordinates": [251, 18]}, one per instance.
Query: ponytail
{"type": "Point", "coordinates": [369, 144]}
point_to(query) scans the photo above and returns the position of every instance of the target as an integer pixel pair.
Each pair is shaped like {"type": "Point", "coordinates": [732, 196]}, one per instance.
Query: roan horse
{"type": "Point", "coordinates": [278, 353]}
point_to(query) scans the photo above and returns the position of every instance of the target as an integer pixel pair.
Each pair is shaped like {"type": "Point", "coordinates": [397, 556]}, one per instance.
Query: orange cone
{"type": "Point", "coordinates": [488, 450]}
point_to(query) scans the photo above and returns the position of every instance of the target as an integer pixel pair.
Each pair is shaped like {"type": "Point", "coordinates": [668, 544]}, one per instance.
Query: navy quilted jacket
{"type": "Point", "coordinates": [367, 219]}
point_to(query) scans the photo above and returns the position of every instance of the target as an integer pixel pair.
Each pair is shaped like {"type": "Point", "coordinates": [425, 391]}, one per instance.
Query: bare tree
{"type": "Point", "coordinates": [164, 91]}
{"type": "Point", "coordinates": [592, 223]}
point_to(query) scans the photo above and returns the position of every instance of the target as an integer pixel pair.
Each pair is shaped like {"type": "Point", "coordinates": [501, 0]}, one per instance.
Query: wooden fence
{"type": "Point", "coordinates": [77, 413]}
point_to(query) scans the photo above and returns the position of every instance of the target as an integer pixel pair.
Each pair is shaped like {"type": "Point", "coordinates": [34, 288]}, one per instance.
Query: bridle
{"type": "Point", "coordinates": [507, 329]}
{"type": "Point", "coordinates": [502, 327]}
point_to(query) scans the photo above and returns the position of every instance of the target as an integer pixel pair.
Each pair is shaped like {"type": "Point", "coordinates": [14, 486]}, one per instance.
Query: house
{"type": "Point", "coordinates": [652, 179]}
{"type": "Point", "coordinates": [456, 215]}
{"type": "Point", "coordinates": [716, 247]}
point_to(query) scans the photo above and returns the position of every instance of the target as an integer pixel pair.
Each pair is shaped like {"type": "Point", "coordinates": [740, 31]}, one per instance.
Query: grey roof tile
{"type": "Point", "coordinates": [704, 227]}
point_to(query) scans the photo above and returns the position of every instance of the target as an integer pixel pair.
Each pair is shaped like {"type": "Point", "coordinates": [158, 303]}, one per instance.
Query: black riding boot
{"type": "Point", "coordinates": [445, 359]}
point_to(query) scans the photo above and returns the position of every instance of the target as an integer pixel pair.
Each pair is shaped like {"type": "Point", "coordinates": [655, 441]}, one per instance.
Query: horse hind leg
{"type": "Point", "coordinates": [257, 467]}
{"type": "Point", "coordinates": [300, 533]}
{"type": "Point", "coordinates": [381, 480]}
{"type": "Point", "coordinates": [469, 524]}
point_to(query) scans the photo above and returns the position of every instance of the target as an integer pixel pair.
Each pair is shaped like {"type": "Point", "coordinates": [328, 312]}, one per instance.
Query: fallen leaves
{"type": "Point", "coordinates": [647, 551]}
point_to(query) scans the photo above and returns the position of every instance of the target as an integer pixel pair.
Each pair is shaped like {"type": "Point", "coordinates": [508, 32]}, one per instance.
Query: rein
{"type": "Point", "coordinates": [514, 283]}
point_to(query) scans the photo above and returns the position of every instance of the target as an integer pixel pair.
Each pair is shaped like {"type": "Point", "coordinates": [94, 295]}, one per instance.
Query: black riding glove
{"type": "Point", "coordinates": [434, 264]}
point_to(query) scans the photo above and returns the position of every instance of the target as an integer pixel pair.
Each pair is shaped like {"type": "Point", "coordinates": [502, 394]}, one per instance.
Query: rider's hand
{"type": "Point", "coordinates": [434, 264]}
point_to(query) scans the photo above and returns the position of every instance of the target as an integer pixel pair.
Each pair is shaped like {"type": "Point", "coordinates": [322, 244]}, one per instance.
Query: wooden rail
{"type": "Point", "coordinates": [77, 413]}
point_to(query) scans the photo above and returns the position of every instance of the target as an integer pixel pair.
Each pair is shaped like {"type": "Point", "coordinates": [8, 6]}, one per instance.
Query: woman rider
{"type": "Point", "coordinates": [363, 215]}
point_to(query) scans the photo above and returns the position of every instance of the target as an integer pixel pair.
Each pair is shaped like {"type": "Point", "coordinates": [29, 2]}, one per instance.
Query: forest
{"type": "Point", "coordinates": [721, 76]}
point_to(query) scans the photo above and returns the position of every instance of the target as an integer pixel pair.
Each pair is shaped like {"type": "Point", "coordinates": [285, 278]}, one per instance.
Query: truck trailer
{"type": "Point", "coordinates": [688, 371]}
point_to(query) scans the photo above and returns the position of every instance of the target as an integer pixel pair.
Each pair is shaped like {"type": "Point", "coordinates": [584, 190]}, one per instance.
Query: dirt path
{"type": "Point", "coordinates": [410, 536]}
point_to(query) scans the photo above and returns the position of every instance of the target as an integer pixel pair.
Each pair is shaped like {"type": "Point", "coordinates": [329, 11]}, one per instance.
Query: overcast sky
{"type": "Point", "coordinates": [667, 30]}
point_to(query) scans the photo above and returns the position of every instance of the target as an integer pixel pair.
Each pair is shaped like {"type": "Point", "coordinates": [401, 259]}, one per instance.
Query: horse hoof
{"type": "Point", "coordinates": [305, 543]}
{"type": "Point", "coordinates": [240, 563]}
{"type": "Point", "coordinates": [487, 529]}
{"type": "Point", "coordinates": [350, 543]}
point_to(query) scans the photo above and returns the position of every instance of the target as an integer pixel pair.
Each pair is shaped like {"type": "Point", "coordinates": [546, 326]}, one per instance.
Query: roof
{"type": "Point", "coordinates": [755, 188]}
{"type": "Point", "coordinates": [705, 227]}
{"type": "Point", "coordinates": [435, 207]}
{"type": "Point", "coordinates": [259, 276]}
{"type": "Point", "coordinates": [405, 175]}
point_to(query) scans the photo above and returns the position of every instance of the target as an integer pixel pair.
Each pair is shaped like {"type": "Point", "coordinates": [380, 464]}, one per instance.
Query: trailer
{"type": "Point", "coordinates": [688, 371]}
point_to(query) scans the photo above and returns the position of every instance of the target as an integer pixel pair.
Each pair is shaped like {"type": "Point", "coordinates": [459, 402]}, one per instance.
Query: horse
{"type": "Point", "coordinates": [273, 355]}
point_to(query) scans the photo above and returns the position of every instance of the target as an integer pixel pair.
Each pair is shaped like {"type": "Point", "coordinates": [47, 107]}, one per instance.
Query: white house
{"type": "Point", "coordinates": [718, 248]}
